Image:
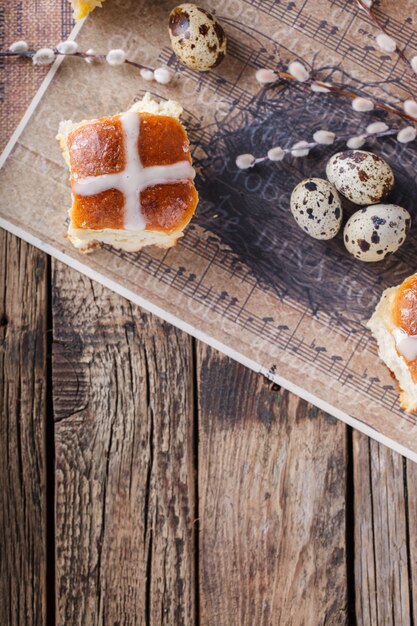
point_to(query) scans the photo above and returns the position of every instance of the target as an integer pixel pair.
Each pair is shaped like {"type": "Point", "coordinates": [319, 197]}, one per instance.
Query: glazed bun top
{"type": "Point", "coordinates": [131, 171]}
{"type": "Point", "coordinates": [405, 306]}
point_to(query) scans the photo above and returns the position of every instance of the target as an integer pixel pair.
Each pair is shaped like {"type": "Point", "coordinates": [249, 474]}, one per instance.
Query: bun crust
{"type": "Point", "coordinates": [383, 323]}
{"type": "Point", "coordinates": [97, 148]}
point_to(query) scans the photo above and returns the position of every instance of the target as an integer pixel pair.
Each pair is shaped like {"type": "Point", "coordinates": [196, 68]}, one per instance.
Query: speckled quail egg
{"type": "Point", "coordinates": [376, 231]}
{"type": "Point", "coordinates": [197, 38]}
{"type": "Point", "coordinates": [316, 207]}
{"type": "Point", "coordinates": [362, 177]}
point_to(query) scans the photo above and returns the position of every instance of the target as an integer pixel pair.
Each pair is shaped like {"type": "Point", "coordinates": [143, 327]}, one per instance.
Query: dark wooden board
{"type": "Point", "coordinates": [411, 486]}
{"type": "Point", "coordinates": [383, 562]}
{"type": "Point", "coordinates": [272, 480]}
{"type": "Point", "coordinates": [125, 484]}
{"type": "Point", "coordinates": [23, 331]}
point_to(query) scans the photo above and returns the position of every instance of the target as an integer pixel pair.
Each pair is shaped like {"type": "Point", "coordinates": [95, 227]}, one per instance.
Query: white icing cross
{"type": "Point", "coordinates": [406, 344]}
{"type": "Point", "coordinates": [134, 178]}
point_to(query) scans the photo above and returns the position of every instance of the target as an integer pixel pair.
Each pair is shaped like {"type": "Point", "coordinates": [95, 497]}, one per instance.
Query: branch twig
{"type": "Point", "coordinates": [368, 10]}
{"type": "Point", "coordinates": [82, 55]}
{"type": "Point", "coordinates": [346, 93]}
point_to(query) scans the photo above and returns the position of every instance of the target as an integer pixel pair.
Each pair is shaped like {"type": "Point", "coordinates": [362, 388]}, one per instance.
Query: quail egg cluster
{"type": "Point", "coordinates": [197, 38]}
{"type": "Point", "coordinates": [364, 178]}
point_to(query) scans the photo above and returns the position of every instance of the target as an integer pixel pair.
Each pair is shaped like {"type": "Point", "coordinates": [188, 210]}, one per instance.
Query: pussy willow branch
{"type": "Point", "coordinates": [314, 144]}
{"type": "Point", "coordinates": [82, 55]}
{"type": "Point", "coordinates": [347, 94]}
{"type": "Point", "coordinates": [368, 10]}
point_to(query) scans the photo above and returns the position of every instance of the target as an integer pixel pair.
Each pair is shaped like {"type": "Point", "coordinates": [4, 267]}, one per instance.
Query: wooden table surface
{"type": "Point", "coordinates": [147, 479]}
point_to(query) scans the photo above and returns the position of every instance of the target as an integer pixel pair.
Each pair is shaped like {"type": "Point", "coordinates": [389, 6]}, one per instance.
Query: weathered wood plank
{"type": "Point", "coordinates": [23, 326]}
{"type": "Point", "coordinates": [272, 479]}
{"type": "Point", "coordinates": [123, 402]}
{"type": "Point", "coordinates": [381, 560]}
{"type": "Point", "coordinates": [411, 484]}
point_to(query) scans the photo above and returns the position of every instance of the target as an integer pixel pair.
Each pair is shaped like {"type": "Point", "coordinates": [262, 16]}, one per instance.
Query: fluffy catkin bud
{"type": "Point", "coordinates": [407, 134]}
{"type": "Point", "coordinates": [67, 47]}
{"type": "Point", "coordinates": [300, 149]}
{"type": "Point", "coordinates": [354, 143]}
{"type": "Point", "coordinates": [44, 56]}
{"type": "Point", "coordinates": [245, 161]}
{"type": "Point", "coordinates": [376, 127]}
{"type": "Point", "coordinates": [162, 75]}
{"type": "Point", "coordinates": [410, 107]}
{"type": "Point", "coordinates": [324, 137]}
{"type": "Point", "coordinates": [265, 76]}
{"type": "Point", "coordinates": [276, 154]}
{"type": "Point", "coordinates": [19, 46]}
{"type": "Point", "coordinates": [146, 74]}
{"type": "Point", "coordinates": [362, 104]}
{"type": "Point", "coordinates": [299, 72]}
{"type": "Point", "coordinates": [320, 87]}
{"type": "Point", "coordinates": [116, 57]}
{"type": "Point", "coordinates": [90, 59]}
{"type": "Point", "coordinates": [385, 43]}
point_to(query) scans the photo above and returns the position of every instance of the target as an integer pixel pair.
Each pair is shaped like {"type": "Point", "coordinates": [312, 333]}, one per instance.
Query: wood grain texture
{"type": "Point", "coordinates": [382, 570]}
{"type": "Point", "coordinates": [23, 326]}
{"type": "Point", "coordinates": [411, 485]}
{"type": "Point", "coordinates": [272, 479]}
{"type": "Point", "coordinates": [123, 404]}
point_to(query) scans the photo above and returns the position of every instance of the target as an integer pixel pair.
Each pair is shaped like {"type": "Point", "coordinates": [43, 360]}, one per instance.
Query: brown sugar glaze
{"type": "Point", "coordinates": [405, 313]}
{"type": "Point", "coordinates": [97, 148]}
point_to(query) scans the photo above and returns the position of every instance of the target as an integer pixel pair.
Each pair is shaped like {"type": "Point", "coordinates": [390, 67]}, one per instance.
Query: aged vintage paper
{"type": "Point", "coordinates": [244, 277]}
